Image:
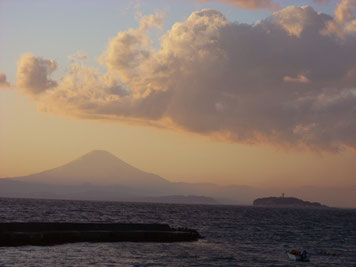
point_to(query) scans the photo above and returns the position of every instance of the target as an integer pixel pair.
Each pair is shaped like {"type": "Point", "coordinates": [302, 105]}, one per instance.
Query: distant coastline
{"type": "Point", "coordinates": [180, 199]}
{"type": "Point", "coordinates": [286, 202]}
{"type": "Point", "coordinates": [102, 176]}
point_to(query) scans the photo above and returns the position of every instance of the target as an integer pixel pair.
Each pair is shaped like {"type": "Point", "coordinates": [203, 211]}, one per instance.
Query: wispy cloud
{"type": "Point", "coordinates": [4, 84]}
{"type": "Point", "coordinates": [299, 79]}
{"type": "Point", "coordinates": [263, 4]}
{"type": "Point", "coordinates": [250, 4]}
{"type": "Point", "coordinates": [281, 81]}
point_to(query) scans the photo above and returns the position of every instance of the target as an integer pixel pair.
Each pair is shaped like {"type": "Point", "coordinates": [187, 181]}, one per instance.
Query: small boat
{"type": "Point", "coordinates": [298, 255]}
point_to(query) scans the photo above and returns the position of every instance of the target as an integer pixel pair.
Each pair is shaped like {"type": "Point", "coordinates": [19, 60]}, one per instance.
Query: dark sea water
{"type": "Point", "coordinates": [234, 235]}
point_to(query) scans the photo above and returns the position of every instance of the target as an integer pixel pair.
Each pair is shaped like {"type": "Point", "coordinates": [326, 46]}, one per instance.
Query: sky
{"type": "Point", "coordinates": [258, 93]}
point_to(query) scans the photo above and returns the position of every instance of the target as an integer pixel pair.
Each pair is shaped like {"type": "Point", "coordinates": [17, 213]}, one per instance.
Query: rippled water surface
{"type": "Point", "coordinates": [234, 236]}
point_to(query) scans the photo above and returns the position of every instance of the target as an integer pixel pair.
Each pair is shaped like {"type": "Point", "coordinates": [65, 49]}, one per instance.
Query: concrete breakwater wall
{"type": "Point", "coordinates": [45, 234]}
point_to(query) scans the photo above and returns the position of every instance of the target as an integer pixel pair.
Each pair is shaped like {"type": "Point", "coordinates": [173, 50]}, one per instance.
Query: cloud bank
{"type": "Point", "coordinates": [282, 81]}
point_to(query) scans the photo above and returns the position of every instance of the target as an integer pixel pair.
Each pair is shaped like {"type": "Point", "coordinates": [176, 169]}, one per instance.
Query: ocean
{"type": "Point", "coordinates": [233, 235]}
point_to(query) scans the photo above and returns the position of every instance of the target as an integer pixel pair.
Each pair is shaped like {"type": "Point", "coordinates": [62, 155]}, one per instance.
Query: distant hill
{"type": "Point", "coordinates": [286, 202]}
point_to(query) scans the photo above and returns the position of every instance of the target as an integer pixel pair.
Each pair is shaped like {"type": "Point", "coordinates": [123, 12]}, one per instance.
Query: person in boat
{"type": "Point", "coordinates": [304, 254]}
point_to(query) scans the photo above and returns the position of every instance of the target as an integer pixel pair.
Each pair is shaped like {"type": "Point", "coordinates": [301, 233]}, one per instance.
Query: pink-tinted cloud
{"type": "Point", "coordinates": [299, 79]}
{"type": "Point", "coordinates": [250, 4]}
{"type": "Point", "coordinates": [280, 81]}
{"type": "Point", "coordinates": [261, 4]}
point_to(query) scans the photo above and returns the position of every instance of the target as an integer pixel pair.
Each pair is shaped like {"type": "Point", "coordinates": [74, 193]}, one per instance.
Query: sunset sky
{"type": "Point", "coordinates": [242, 92]}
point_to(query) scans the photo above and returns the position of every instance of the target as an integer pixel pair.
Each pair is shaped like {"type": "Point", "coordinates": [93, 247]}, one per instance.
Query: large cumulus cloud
{"type": "Point", "coordinates": [281, 81]}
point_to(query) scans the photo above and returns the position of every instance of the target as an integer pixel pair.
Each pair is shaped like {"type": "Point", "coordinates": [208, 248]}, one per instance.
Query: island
{"type": "Point", "coordinates": [286, 202]}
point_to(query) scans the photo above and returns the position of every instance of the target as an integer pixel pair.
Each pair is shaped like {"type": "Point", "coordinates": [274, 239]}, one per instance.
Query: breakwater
{"type": "Point", "coordinates": [45, 234]}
